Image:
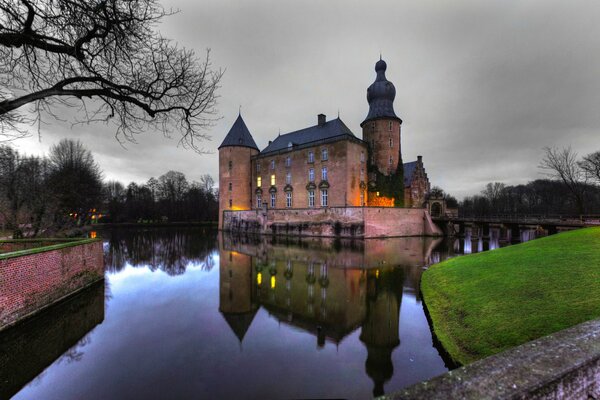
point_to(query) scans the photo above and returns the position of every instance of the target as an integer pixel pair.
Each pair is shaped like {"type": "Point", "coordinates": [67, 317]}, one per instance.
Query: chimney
{"type": "Point", "coordinates": [420, 159]}
{"type": "Point", "coordinates": [321, 119]}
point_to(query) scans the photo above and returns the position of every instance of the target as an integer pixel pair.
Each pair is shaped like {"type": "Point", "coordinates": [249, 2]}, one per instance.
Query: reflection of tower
{"type": "Point", "coordinates": [235, 291]}
{"type": "Point", "coordinates": [380, 331]}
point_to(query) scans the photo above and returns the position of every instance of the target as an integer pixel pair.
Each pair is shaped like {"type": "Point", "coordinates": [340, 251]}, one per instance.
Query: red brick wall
{"type": "Point", "coordinates": [32, 281]}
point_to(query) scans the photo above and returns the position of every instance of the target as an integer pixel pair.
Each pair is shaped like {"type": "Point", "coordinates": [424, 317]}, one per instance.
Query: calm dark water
{"type": "Point", "coordinates": [188, 314]}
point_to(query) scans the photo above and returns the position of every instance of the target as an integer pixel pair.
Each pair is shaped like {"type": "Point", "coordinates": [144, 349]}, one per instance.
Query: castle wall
{"type": "Point", "coordinates": [366, 222]}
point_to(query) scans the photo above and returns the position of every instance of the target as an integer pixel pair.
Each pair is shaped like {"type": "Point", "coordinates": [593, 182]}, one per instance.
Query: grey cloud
{"type": "Point", "coordinates": [481, 86]}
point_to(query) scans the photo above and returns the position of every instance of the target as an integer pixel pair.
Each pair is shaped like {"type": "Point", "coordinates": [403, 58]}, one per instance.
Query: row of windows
{"type": "Point", "coordinates": [288, 199]}
{"type": "Point", "coordinates": [373, 145]}
{"type": "Point", "coordinates": [311, 177]}
{"type": "Point", "coordinates": [288, 160]}
{"type": "Point", "coordinates": [390, 125]}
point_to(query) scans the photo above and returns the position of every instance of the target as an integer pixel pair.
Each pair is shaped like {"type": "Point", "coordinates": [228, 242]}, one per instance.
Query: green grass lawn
{"type": "Point", "coordinates": [485, 303]}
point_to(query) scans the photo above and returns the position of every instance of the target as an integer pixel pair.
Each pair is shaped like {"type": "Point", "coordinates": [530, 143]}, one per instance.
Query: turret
{"type": "Point", "coordinates": [381, 131]}
{"type": "Point", "coordinates": [235, 174]}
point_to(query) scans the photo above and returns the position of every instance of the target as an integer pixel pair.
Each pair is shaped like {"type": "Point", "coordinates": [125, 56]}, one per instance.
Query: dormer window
{"type": "Point", "coordinates": [290, 145]}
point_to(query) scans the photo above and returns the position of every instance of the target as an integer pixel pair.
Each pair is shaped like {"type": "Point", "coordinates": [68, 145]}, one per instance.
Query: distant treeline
{"type": "Point", "coordinates": [573, 188]}
{"type": "Point", "coordinates": [54, 193]}
{"type": "Point", "coordinates": [169, 198]}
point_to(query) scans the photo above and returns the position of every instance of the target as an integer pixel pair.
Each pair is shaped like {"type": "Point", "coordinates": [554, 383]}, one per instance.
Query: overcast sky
{"type": "Point", "coordinates": [482, 86]}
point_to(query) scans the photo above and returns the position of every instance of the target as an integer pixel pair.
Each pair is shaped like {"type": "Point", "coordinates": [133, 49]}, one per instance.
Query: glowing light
{"type": "Point", "coordinates": [377, 273]}
{"type": "Point", "coordinates": [259, 181]}
{"type": "Point", "coordinates": [93, 235]}
{"type": "Point", "coordinates": [381, 201]}
{"type": "Point", "coordinates": [272, 180]}
{"type": "Point", "coordinates": [273, 282]}
{"type": "Point", "coordinates": [259, 278]}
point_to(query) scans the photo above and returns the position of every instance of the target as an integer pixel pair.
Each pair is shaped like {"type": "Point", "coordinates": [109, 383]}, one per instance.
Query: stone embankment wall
{"type": "Point", "coordinates": [33, 279]}
{"type": "Point", "coordinates": [362, 222]}
{"type": "Point", "coordinates": [564, 365]}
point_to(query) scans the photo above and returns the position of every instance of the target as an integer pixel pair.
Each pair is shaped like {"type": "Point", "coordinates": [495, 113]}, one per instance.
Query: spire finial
{"type": "Point", "coordinates": [240, 111]}
{"type": "Point", "coordinates": [380, 55]}
{"type": "Point", "coordinates": [338, 113]}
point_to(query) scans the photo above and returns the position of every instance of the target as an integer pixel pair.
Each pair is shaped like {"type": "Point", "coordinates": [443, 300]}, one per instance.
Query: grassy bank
{"type": "Point", "coordinates": [485, 303]}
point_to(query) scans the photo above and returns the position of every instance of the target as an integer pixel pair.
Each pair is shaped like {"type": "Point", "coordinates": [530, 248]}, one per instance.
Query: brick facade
{"type": "Point", "coordinates": [343, 183]}
{"type": "Point", "coordinates": [38, 278]}
{"type": "Point", "coordinates": [234, 179]}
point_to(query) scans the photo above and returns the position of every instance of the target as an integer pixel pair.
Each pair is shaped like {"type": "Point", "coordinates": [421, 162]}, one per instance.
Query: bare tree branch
{"type": "Point", "coordinates": [52, 51]}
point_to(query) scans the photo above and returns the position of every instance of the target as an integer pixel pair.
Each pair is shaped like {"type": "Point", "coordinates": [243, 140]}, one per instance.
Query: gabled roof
{"type": "Point", "coordinates": [328, 130]}
{"type": "Point", "coordinates": [239, 135]}
{"type": "Point", "coordinates": [409, 170]}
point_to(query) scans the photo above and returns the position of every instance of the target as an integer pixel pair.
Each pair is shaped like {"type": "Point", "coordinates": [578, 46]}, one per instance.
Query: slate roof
{"type": "Point", "coordinates": [409, 170]}
{"type": "Point", "coordinates": [380, 96]}
{"type": "Point", "coordinates": [239, 135]}
{"type": "Point", "coordinates": [239, 323]}
{"type": "Point", "coordinates": [329, 130]}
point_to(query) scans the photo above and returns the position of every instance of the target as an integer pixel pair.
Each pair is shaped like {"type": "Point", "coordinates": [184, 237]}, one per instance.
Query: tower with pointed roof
{"type": "Point", "coordinates": [235, 174]}
{"type": "Point", "coordinates": [381, 131]}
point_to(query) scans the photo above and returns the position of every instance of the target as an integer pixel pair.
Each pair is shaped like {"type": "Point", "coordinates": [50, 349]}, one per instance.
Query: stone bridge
{"type": "Point", "coordinates": [510, 227]}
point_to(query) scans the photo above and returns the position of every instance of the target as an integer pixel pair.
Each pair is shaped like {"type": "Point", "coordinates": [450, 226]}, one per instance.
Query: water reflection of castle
{"type": "Point", "coordinates": [327, 293]}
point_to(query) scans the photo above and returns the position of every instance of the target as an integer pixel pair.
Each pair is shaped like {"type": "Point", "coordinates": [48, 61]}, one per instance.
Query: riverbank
{"type": "Point", "coordinates": [486, 303]}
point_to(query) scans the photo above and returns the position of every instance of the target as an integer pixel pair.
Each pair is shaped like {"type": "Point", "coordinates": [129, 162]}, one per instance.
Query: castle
{"type": "Point", "coordinates": [324, 166]}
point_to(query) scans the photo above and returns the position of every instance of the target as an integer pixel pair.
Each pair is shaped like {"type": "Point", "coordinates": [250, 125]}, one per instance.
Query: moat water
{"type": "Point", "coordinates": [190, 314]}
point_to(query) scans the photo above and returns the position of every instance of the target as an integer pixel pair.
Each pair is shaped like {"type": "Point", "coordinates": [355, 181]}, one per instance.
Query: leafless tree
{"type": "Point", "coordinates": [591, 165]}
{"type": "Point", "coordinates": [562, 164]}
{"type": "Point", "coordinates": [67, 52]}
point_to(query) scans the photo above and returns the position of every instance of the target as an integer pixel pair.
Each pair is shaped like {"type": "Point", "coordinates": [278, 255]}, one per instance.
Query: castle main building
{"type": "Point", "coordinates": [324, 165]}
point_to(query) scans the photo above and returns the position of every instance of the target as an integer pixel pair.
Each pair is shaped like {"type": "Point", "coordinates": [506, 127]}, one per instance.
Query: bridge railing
{"type": "Point", "coordinates": [541, 218]}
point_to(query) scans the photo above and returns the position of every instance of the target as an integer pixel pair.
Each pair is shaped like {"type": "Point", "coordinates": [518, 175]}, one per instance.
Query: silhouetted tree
{"type": "Point", "coordinates": [64, 51]}
{"type": "Point", "coordinates": [591, 165]}
{"type": "Point", "coordinates": [75, 180]}
{"type": "Point", "coordinates": [562, 164]}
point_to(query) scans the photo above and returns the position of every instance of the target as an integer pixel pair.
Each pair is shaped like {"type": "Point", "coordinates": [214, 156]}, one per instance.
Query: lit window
{"type": "Point", "coordinates": [272, 200]}
{"type": "Point", "coordinates": [311, 198]}
{"type": "Point", "coordinates": [311, 157]}
{"type": "Point", "coordinates": [288, 161]}
{"type": "Point", "coordinates": [390, 126]}
{"type": "Point", "coordinates": [324, 197]}
{"type": "Point", "coordinates": [257, 167]}
{"type": "Point", "coordinates": [259, 181]}
{"type": "Point", "coordinates": [391, 141]}
{"type": "Point", "coordinates": [288, 199]}
{"type": "Point", "coordinates": [230, 186]}
{"type": "Point", "coordinates": [272, 180]}
{"type": "Point", "coordinates": [288, 178]}
{"type": "Point", "coordinates": [311, 175]}
{"type": "Point", "coordinates": [324, 154]}
{"type": "Point", "coordinates": [230, 203]}
{"type": "Point", "coordinates": [362, 156]}
{"type": "Point", "coordinates": [324, 173]}
{"type": "Point", "coordinates": [272, 164]}
{"type": "Point", "coordinates": [258, 202]}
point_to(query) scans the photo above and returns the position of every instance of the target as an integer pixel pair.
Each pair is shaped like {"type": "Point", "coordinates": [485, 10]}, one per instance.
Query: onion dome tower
{"type": "Point", "coordinates": [235, 172]}
{"type": "Point", "coordinates": [381, 131]}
